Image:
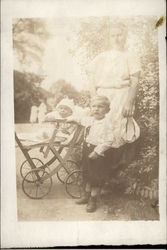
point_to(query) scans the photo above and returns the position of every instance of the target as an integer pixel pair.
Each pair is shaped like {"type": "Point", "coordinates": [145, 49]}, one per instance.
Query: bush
{"type": "Point", "coordinates": [26, 94]}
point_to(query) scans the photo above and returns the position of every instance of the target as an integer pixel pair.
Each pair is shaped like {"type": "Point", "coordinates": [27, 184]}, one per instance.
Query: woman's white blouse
{"type": "Point", "coordinates": [112, 69]}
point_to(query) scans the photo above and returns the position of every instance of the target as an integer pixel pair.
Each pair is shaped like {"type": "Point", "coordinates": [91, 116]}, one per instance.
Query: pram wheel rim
{"type": "Point", "coordinates": [68, 183]}
{"type": "Point", "coordinates": [29, 166]}
{"type": "Point", "coordinates": [63, 179]}
{"type": "Point", "coordinates": [38, 180]}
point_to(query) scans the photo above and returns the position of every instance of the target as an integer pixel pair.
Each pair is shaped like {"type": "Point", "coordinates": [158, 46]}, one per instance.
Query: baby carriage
{"type": "Point", "coordinates": [37, 175]}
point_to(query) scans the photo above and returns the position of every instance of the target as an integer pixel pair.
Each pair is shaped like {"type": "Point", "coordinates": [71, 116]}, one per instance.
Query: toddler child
{"type": "Point", "coordinates": [98, 140]}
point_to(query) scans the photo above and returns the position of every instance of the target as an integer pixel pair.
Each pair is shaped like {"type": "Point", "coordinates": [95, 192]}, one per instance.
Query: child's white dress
{"type": "Point", "coordinates": [110, 72]}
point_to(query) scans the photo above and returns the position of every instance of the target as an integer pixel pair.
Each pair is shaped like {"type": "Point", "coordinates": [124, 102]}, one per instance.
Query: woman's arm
{"type": "Point", "coordinates": [129, 105]}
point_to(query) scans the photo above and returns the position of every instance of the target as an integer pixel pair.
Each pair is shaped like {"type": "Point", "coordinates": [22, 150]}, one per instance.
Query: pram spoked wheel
{"type": "Point", "coordinates": [64, 172]}
{"type": "Point", "coordinates": [74, 183]}
{"type": "Point", "coordinates": [26, 167]}
{"type": "Point", "coordinates": [37, 183]}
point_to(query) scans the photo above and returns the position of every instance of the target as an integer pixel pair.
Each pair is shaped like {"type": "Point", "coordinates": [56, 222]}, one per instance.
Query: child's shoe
{"type": "Point", "coordinates": [91, 206]}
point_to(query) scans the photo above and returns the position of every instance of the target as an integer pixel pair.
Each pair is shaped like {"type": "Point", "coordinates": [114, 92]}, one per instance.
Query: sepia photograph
{"type": "Point", "coordinates": [83, 123]}
{"type": "Point", "coordinates": [86, 108]}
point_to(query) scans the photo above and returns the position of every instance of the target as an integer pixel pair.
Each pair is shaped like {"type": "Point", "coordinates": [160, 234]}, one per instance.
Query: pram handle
{"type": "Point", "coordinates": [58, 121]}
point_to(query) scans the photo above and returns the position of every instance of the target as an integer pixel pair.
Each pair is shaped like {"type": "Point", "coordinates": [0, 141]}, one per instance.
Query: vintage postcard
{"type": "Point", "coordinates": [83, 123]}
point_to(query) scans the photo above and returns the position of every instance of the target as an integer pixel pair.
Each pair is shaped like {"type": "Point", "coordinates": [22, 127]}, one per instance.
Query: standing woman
{"type": "Point", "coordinates": [115, 74]}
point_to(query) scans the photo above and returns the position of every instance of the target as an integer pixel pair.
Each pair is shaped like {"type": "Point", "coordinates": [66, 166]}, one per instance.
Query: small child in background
{"type": "Point", "coordinates": [38, 113]}
{"type": "Point", "coordinates": [98, 140]}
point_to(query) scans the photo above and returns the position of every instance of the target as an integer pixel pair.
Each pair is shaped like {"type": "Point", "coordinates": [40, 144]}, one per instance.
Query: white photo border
{"type": "Point", "coordinates": [48, 234]}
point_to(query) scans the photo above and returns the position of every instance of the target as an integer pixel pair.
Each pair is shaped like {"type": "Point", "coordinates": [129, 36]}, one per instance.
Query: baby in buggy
{"type": "Point", "coordinates": [59, 143]}
{"type": "Point", "coordinates": [65, 131]}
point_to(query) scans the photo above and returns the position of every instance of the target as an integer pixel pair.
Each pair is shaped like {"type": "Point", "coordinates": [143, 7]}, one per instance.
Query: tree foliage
{"type": "Point", "coordinates": [29, 37]}
{"type": "Point", "coordinates": [26, 94]}
{"type": "Point", "coordinates": [62, 88]}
